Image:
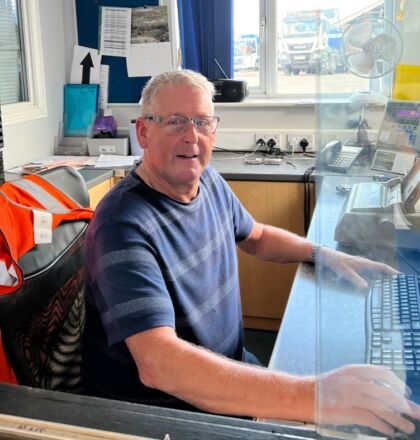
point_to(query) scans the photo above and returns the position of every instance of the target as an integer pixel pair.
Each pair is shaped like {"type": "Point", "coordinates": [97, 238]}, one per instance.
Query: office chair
{"type": "Point", "coordinates": [42, 322]}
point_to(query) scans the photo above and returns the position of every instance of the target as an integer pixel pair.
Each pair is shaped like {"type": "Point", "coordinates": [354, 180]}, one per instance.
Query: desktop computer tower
{"type": "Point", "coordinates": [1, 152]}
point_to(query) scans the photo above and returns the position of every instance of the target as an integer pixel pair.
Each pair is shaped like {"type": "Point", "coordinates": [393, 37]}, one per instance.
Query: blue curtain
{"type": "Point", "coordinates": [206, 28]}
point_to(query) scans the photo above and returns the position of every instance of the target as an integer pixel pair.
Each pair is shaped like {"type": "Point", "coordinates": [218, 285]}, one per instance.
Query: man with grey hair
{"type": "Point", "coordinates": [164, 322]}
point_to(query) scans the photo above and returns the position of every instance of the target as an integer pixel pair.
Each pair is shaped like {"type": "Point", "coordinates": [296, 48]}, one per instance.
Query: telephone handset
{"type": "Point", "coordinates": [336, 157]}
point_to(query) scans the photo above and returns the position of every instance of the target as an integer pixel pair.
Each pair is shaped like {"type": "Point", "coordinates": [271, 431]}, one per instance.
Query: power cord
{"type": "Point", "coordinates": [307, 198]}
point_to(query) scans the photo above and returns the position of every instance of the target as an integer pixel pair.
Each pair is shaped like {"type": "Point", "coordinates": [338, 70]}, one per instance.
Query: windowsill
{"type": "Point", "coordinates": [287, 102]}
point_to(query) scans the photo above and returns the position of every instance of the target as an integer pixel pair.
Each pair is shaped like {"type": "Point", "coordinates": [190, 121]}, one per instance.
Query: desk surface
{"type": "Point", "coordinates": [324, 323]}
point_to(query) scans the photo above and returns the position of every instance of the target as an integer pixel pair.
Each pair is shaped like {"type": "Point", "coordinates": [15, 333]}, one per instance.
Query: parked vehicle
{"type": "Point", "coordinates": [309, 42]}
{"type": "Point", "coordinates": [246, 53]}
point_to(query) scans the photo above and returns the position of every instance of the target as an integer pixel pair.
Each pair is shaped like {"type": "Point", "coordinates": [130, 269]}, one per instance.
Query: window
{"type": "Point", "coordinates": [12, 68]}
{"type": "Point", "coordinates": [21, 27]}
{"type": "Point", "coordinates": [291, 48]}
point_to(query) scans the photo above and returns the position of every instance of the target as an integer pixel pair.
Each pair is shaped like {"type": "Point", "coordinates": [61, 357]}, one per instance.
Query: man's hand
{"type": "Point", "coordinates": [365, 395]}
{"type": "Point", "coordinates": [351, 267]}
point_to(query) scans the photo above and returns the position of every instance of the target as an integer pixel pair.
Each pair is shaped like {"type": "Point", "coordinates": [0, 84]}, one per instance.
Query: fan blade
{"type": "Point", "coordinates": [386, 46]}
{"type": "Point", "coordinates": [360, 33]}
{"type": "Point", "coordinates": [362, 62]}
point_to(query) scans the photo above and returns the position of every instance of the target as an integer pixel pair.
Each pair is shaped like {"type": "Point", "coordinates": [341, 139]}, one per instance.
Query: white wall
{"type": "Point", "coordinates": [31, 140]}
{"type": "Point", "coordinates": [35, 139]}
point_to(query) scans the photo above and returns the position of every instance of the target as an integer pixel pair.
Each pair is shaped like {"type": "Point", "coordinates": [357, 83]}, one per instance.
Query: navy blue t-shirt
{"type": "Point", "coordinates": [152, 261]}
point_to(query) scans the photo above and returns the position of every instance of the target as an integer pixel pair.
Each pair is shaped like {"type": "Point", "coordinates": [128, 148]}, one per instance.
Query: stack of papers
{"type": "Point", "coordinates": [114, 161]}
{"type": "Point", "coordinates": [102, 161]}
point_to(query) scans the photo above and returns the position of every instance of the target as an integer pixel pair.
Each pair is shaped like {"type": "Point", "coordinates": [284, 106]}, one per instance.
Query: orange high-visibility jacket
{"type": "Point", "coordinates": [18, 199]}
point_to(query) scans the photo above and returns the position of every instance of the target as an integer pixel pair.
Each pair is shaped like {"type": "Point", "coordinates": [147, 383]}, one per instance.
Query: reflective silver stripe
{"type": "Point", "coordinates": [200, 311]}
{"type": "Point", "coordinates": [41, 195]}
{"type": "Point", "coordinates": [156, 304]}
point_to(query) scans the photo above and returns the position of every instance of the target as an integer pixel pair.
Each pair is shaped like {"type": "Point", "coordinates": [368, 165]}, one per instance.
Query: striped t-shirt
{"type": "Point", "coordinates": [152, 261]}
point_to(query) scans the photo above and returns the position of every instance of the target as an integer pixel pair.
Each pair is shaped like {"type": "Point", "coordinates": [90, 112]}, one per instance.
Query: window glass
{"type": "Point", "coordinates": [309, 40]}
{"type": "Point", "coordinates": [12, 72]}
{"type": "Point", "coordinates": [246, 56]}
{"type": "Point", "coordinates": [305, 38]}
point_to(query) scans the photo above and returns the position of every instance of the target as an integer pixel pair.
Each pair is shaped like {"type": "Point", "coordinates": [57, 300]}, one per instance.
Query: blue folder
{"type": "Point", "coordinates": [80, 109]}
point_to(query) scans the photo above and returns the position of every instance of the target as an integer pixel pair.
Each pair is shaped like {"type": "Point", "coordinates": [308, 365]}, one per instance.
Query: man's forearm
{"type": "Point", "coordinates": [217, 384]}
{"type": "Point", "coordinates": [278, 245]}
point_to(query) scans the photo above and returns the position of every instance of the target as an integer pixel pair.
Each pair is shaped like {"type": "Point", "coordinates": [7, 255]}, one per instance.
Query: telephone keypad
{"type": "Point", "coordinates": [344, 160]}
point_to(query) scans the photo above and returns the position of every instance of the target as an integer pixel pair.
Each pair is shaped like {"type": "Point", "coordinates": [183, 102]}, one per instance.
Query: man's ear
{"type": "Point", "coordinates": [141, 131]}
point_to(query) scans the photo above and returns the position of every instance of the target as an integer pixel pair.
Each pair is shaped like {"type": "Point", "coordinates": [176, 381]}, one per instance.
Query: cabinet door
{"type": "Point", "coordinates": [98, 191]}
{"type": "Point", "coordinates": [265, 286]}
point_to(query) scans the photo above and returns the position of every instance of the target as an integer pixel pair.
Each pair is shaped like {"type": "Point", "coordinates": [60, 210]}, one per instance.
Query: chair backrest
{"type": "Point", "coordinates": [42, 322]}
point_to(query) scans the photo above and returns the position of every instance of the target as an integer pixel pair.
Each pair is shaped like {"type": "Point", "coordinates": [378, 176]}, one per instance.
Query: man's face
{"type": "Point", "coordinates": [180, 158]}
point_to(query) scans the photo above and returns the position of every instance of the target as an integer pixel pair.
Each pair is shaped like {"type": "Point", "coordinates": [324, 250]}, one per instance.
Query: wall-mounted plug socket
{"type": "Point", "coordinates": [299, 142]}
{"type": "Point", "coordinates": [267, 140]}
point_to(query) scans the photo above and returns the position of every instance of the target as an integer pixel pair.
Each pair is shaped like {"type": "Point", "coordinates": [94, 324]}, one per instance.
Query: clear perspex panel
{"type": "Point", "coordinates": [368, 204]}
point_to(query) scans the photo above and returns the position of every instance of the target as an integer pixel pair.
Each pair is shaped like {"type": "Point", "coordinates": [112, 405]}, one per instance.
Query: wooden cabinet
{"type": "Point", "coordinates": [98, 191]}
{"type": "Point", "coordinates": [265, 286]}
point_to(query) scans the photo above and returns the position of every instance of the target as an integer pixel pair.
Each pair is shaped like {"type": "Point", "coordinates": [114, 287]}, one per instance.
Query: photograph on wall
{"type": "Point", "coordinates": [150, 51]}
{"type": "Point", "coordinates": [149, 25]}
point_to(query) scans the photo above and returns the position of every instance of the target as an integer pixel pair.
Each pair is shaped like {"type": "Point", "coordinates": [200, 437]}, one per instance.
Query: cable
{"type": "Point", "coordinates": [307, 198]}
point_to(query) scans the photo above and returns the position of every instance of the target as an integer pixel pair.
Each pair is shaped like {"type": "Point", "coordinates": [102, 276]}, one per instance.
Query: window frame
{"type": "Point", "coordinates": [268, 78]}
{"type": "Point", "coordinates": [35, 107]}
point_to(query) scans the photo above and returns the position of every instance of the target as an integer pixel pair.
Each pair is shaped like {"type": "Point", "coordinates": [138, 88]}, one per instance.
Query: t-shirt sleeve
{"type": "Point", "coordinates": [242, 219]}
{"type": "Point", "coordinates": [130, 291]}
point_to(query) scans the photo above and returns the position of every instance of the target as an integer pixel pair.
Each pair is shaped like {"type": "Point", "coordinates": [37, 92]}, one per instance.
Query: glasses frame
{"type": "Point", "coordinates": [160, 119]}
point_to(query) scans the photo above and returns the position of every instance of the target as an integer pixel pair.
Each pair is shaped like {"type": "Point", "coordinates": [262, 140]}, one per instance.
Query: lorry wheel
{"type": "Point", "coordinates": [287, 70]}
{"type": "Point", "coordinates": [333, 66]}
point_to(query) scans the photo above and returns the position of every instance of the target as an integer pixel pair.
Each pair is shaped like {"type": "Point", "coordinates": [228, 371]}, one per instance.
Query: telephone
{"type": "Point", "coordinates": [377, 213]}
{"type": "Point", "coordinates": [337, 157]}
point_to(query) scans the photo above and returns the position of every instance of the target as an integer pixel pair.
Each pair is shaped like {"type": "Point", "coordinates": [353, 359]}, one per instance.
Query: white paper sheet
{"type": "Point", "coordinates": [115, 31]}
{"type": "Point", "coordinates": [79, 55]}
{"type": "Point", "coordinates": [103, 90]}
{"type": "Point", "coordinates": [149, 59]}
{"type": "Point", "coordinates": [112, 161]}
{"type": "Point", "coordinates": [150, 52]}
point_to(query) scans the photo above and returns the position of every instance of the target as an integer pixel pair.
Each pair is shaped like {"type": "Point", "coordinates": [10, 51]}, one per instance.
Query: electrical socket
{"type": "Point", "coordinates": [266, 137]}
{"type": "Point", "coordinates": [293, 142]}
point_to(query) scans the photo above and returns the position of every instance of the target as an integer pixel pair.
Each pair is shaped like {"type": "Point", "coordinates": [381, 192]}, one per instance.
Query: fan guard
{"type": "Point", "coordinates": [371, 47]}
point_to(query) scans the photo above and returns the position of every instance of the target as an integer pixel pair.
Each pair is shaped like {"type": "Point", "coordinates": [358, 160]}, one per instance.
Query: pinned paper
{"type": "Point", "coordinates": [115, 31]}
{"type": "Point", "coordinates": [86, 65]}
{"type": "Point", "coordinates": [149, 59]}
{"type": "Point", "coordinates": [150, 52]}
{"type": "Point", "coordinates": [103, 89]}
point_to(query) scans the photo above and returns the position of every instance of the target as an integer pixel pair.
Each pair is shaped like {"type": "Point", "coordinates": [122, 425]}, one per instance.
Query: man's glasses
{"type": "Point", "coordinates": [178, 124]}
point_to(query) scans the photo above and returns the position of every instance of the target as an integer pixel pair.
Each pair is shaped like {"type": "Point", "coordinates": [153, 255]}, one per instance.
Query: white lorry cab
{"type": "Point", "coordinates": [304, 43]}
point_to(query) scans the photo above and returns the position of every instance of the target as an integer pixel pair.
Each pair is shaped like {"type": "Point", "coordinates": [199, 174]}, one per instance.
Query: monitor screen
{"type": "Point", "coordinates": [406, 113]}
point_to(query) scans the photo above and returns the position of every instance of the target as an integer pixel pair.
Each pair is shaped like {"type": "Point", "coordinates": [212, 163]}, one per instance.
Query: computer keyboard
{"type": "Point", "coordinates": [393, 325]}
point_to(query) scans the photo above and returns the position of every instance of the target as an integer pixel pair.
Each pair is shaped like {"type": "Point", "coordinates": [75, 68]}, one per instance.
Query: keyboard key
{"type": "Point", "coordinates": [393, 335]}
